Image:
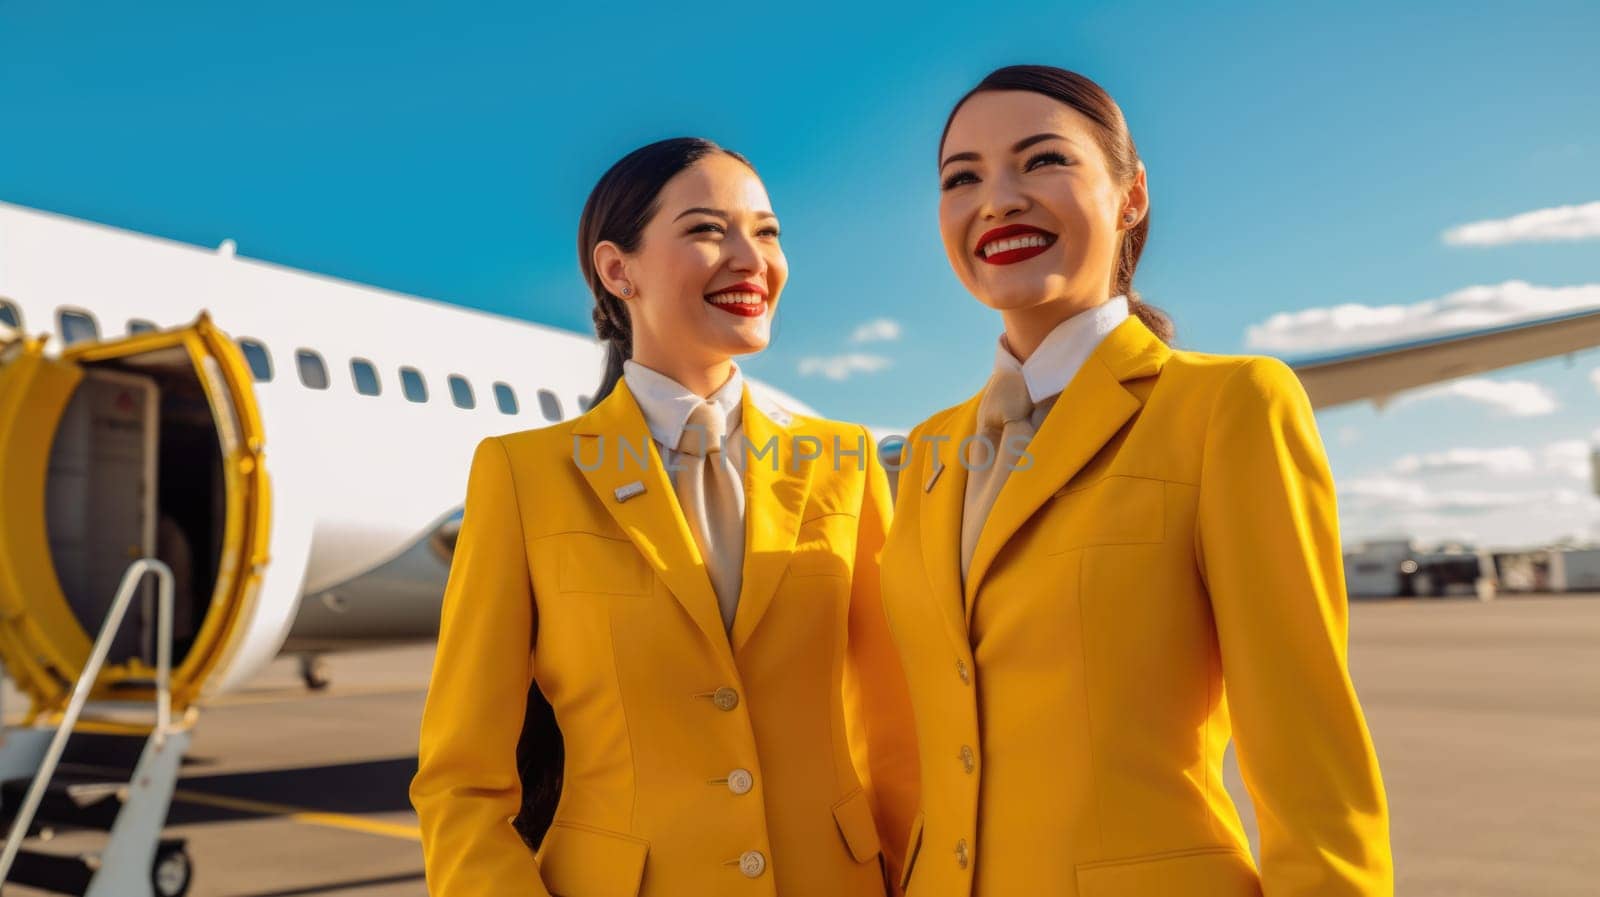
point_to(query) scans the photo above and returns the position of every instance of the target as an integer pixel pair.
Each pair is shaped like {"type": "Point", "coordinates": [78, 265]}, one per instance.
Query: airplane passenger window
{"type": "Point", "coordinates": [77, 326]}
{"type": "Point", "coordinates": [365, 376]}
{"type": "Point", "coordinates": [506, 398]}
{"type": "Point", "coordinates": [10, 315]}
{"type": "Point", "coordinates": [260, 362]}
{"type": "Point", "coordinates": [313, 373]}
{"type": "Point", "coordinates": [585, 402]}
{"type": "Point", "coordinates": [140, 325]}
{"type": "Point", "coordinates": [549, 404]}
{"type": "Point", "coordinates": [461, 392]}
{"type": "Point", "coordinates": [412, 384]}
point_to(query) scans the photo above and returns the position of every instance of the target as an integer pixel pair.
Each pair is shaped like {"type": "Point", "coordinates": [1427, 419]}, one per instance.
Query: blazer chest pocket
{"type": "Point", "coordinates": [600, 565]}
{"type": "Point", "coordinates": [1113, 510]}
{"type": "Point", "coordinates": [823, 546]}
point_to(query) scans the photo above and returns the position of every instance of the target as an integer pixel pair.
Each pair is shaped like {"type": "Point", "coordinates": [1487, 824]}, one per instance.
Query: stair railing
{"type": "Point", "coordinates": [85, 684]}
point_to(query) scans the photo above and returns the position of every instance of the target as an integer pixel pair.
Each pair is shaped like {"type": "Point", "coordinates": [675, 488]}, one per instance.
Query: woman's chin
{"type": "Point", "coordinates": [1012, 297]}
{"type": "Point", "coordinates": [743, 338]}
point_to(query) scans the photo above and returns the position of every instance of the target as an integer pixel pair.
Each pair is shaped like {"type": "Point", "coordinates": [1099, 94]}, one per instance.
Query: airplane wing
{"type": "Point", "coordinates": [1379, 372]}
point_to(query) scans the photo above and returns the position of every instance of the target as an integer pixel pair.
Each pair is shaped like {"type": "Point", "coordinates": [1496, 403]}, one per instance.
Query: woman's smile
{"type": "Point", "coordinates": [747, 299]}
{"type": "Point", "coordinates": [1013, 243]}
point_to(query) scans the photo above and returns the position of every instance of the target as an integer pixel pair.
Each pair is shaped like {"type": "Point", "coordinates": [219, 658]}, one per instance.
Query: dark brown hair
{"type": "Point", "coordinates": [619, 207]}
{"type": "Point", "coordinates": [1111, 132]}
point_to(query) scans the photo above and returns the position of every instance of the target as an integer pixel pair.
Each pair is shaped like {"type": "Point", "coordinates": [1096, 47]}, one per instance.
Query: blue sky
{"type": "Point", "coordinates": [1299, 159]}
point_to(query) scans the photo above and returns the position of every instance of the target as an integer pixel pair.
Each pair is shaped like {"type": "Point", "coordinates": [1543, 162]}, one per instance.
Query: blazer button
{"type": "Point", "coordinates": [752, 863]}
{"type": "Point", "coordinates": [740, 781]}
{"type": "Point", "coordinates": [725, 698]}
{"type": "Point", "coordinates": [963, 672]}
{"type": "Point", "coordinates": [969, 760]}
{"type": "Point", "coordinates": [963, 856]}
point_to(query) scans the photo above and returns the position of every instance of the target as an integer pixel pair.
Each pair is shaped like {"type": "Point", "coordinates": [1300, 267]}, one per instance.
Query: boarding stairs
{"type": "Point", "coordinates": [42, 798]}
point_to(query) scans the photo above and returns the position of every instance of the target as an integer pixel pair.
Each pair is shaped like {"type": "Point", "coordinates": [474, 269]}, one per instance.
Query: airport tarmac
{"type": "Point", "coordinates": [1486, 718]}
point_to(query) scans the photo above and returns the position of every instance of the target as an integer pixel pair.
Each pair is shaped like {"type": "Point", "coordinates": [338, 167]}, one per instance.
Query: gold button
{"type": "Point", "coordinates": [752, 863]}
{"type": "Point", "coordinates": [740, 781]}
{"type": "Point", "coordinates": [963, 672]}
{"type": "Point", "coordinates": [969, 760]}
{"type": "Point", "coordinates": [725, 698]}
{"type": "Point", "coordinates": [962, 855]}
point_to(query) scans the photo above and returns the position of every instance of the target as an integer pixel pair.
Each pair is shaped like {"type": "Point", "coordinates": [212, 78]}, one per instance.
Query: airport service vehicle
{"type": "Point", "coordinates": [1448, 570]}
{"type": "Point", "coordinates": [1394, 568]}
{"type": "Point", "coordinates": [1377, 568]}
{"type": "Point", "coordinates": [1575, 569]}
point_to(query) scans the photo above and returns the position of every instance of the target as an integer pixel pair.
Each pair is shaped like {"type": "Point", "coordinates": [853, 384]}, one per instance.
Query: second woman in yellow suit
{"type": "Point", "coordinates": [734, 714]}
{"type": "Point", "coordinates": [1112, 559]}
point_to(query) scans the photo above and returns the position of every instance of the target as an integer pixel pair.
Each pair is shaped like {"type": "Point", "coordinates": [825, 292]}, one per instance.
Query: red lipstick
{"type": "Point", "coordinates": [744, 309]}
{"type": "Point", "coordinates": [1027, 248]}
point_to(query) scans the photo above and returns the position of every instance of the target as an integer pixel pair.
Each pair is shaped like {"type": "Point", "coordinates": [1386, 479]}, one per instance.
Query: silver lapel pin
{"type": "Point", "coordinates": [631, 490]}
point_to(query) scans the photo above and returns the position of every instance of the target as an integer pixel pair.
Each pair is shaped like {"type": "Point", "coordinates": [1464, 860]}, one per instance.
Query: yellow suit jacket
{"type": "Point", "coordinates": [764, 764]}
{"type": "Point", "coordinates": [1166, 573]}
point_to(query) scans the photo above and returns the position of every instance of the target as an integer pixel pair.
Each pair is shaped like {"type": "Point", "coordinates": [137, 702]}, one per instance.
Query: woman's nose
{"type": "Point", "coordinates": [1002, 199]}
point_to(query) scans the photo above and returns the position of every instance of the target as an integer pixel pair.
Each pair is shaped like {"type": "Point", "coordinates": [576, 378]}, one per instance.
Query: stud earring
{"type": "Point", "coordinates": [627, 291]}
{"type": "Point", "coordinates": [1129, 216]}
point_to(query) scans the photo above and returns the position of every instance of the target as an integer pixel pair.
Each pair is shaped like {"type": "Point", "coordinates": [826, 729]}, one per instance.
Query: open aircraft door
{"type": "Point", "coordinates": [150, 445]}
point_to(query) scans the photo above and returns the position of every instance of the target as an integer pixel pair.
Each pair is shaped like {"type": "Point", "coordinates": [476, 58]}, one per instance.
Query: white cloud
{"type": "Point", "coordinates": [876, 330]}
{"type": "Point", "coordinates": [1476, 307]}
{"type": "Point", "coordinates": [1564, 457]}
{"type": "Point", "coordinates": [1580, 222]}
{"type": "Point", "coordinates": [1390, 495]}
{"type": "Point", "coordinates": [1498, 461]}
{"type": "Point", "coordinates": [1568, 457]}
{"type": "Point", "coordinates": [1498, 496]}
{"type": "Point", "coordinates": [843, 367]}
{"type": "Point", "coordinates": [1542, 511]}
{"type": "Point", "coordinates": [1515, 398]}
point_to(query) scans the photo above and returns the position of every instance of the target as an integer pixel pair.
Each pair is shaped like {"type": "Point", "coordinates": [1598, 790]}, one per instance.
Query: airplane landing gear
{"type": "Point", "coordinates": [314, 672]}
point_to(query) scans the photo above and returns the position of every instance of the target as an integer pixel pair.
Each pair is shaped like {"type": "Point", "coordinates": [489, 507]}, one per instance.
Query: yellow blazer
{"type": "Point", "coordinates": [1165, 574]}
{"type": "Point", "coordinates": [777, 764]}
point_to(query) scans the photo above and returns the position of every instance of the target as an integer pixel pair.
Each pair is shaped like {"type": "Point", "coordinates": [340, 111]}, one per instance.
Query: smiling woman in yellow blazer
{"type": "Point", "coordinates": [1158, 568]}
{"type": "Point", "coordinates": [718, 663]}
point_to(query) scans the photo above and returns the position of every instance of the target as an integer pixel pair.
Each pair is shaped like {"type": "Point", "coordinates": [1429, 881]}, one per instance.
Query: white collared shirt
{"type": "Point", "coordinates": [667, 404]}
{"type": "Point", "coordinates": [1057, 360]}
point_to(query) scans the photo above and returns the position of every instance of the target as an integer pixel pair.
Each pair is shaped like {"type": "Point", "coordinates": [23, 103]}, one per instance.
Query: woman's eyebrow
{"type": "Point", "coordinates": [1026, 142]}
{"type": "Point", "coordinates": [715, 213]}
{"type": "Point", "coordinates": [1017, 147]}
{"type": "Point", "coordinates": [718, 213]}
{"type": "Point", "coordinates": [959, 157]}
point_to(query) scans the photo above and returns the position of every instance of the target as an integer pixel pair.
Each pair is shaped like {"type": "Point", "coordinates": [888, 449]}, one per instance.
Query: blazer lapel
{"type": "Point", "coordinates": [943, 479]}
{"type": "Point", "coordinates": [609, 439]}
{"type": "Point", "coordinates": [775, 496]}
{"type": "Point", "coordinates": [1091, 410]}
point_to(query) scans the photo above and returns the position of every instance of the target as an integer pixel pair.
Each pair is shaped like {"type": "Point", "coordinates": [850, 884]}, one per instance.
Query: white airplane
{"type": "Point", "coordinates": [303, 473]}
{"type": "Point", "coordinates": [298, 452]}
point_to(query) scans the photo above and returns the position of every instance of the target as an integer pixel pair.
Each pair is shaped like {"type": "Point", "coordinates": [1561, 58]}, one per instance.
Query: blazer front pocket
{"type": "Point", "coordinates": [913, 847]}
{"type": "Point", "coordinates": [1220, 871]}
{"type": "Point", "coordinates": [860, 833]}
{"type": "Point", "coordinates": [602, 565]}
{"type": "Point", "coordinates": [581, 861]}
{"type": "Point", "coordinates": [1113, 510]}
